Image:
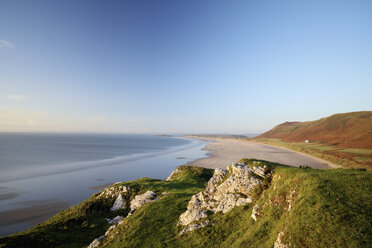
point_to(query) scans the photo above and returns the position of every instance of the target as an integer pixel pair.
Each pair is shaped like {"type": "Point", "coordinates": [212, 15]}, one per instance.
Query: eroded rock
{"type": "Point", "coordinates": [173, 174]}
{"type": "Point", "coordinates": [243, 201]}
{"type": "Point", "coordinates": [114, 191]}
{"type": "Point", "coordinates": [116, 220]}
{"type": "Point", "coordinates": [191, 215]}
{"type": "Point", "coordinates": [96, 242]}
{"type": "Point", "coordinates": [230, 187]}
{"type": "Point", "coordinates": [119, 203]}
{"type": "Point", "coordinates": [140, 200]}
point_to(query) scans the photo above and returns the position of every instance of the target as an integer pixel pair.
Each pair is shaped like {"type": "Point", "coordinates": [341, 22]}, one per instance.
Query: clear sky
{"type": "Point", "coordinates": [181, 66]}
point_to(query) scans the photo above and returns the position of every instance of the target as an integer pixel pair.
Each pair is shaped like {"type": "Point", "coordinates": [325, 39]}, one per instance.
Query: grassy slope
{"type": "Point", "coordinates": [349, 130]}
{"type": "Point", "coordinates": [349, 158]}
{"type": "Point", "coordinates": [343, 139]}
{"type": "Point", "coordinates": [332, 208]}
{"type": "Point", "coordinates": [81, 224]}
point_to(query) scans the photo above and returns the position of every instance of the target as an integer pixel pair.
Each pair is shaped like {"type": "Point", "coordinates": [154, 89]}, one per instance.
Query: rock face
{"type": "Point", "coordinates": [171, 176]}
{"type": "Point", "coordinates": [137, 202]}
{"type": "Point", "coordinates": [96, 242]}
{"type": "Point", "coordinates": [192, 215]}
{"type": "Point", "coordinates": [278, 243]}
{"type": "Point", "coordinates": [142, 199]}
{"type": "Point", "coordinates": [119, 203]}
{"type": "Point", "coordinates": [116, 220]}
{"type": "Point", "coordinates": [113, 191]}
{"type": "Point", "coordinates": [227, 188]}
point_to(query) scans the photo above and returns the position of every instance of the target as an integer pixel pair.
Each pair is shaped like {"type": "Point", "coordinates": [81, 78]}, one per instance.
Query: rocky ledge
{"type": "Point", "coordinates": [121, 193]}
{"type": "Point", "coordinates": [230, 187]}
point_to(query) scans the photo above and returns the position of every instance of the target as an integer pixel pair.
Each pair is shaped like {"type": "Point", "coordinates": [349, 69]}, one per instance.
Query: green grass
{"type": "Point", "coordinates": [348, 158]}
{"type": "Point", "coordinates": [331, 208]}
{"type": "Point", "coordinates": [357, 151]}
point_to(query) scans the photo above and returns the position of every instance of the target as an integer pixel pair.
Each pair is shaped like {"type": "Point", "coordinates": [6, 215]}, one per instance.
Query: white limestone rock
{"type": "Point", "coordinates": [260, 170]}
{"type": "Point", "coordinates": [255, 212]}
{"type": "Point", "coordinates": [140, 200]}
{"type": "Point", "coordinates": [243, 201]}
{"type": "Point", "coordinates": [172, 175]}
{"type": "Point", "coordinates": [191, 215]}
{"type": "Point", "coordinates": [110, 229]}
{"type": "Point", "coordinates": [193, 227]}
{"type": "Point", "coordinates": [227, 188]}
{"type": "Point", "coordinates": [119, 203]}
{"type": "Point", "coordinates": [116, 220]}
{"type": "Point", "coordinates": [114, 191]}
{"type": "Point", "coordinates": [227, 203]}
{"type": "Point", "coordinates": [96, 242]}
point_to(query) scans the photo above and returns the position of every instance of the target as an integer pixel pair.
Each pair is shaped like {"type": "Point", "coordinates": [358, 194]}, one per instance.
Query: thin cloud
{"type": "Point", "coordinates": [16, 97]}
{"type": "Point", "coordinates": [5, 43]}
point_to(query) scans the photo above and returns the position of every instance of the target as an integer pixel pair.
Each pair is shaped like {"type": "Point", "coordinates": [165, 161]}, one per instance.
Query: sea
{"type": "Point", "coordinates": [43, 173]}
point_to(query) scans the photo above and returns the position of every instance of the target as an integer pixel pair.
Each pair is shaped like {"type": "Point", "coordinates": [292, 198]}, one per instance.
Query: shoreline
{"type": "Point", "coordinates": [224, 151]}
{"type": "Point", "coordinates": [23, 209]}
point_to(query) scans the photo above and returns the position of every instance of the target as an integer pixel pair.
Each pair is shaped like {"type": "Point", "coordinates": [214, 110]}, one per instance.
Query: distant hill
{"type": "Point", "coordinates": [348, 130]}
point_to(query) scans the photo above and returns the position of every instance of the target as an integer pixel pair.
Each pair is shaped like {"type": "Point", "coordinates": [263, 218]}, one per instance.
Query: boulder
{"type": "Point", "coordinates": [140, 200]}
{"type": "Point", "coordinates": [191, 215]}
{"type": "Point", "coordinates": [243, 201]}
{"type": "Point", "coordinates": [119, 203]}
{"type": "Point", "coordinates": [116, 220]}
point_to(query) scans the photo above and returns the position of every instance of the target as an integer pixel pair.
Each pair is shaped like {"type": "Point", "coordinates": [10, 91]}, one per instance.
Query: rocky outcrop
{"type": "Point", "coordinates": [119, 203]}
{"type": "Point", "coordinates": [279, 243]}
{"type": "Point", "coordinates": [140, 200]}
{"type": "Point", "coordinates": [230, 187]}
{"type": "Point", "coordinates": [118, 219]}
{"type": "Point", "coordinates": [114, 191]}
{"type": "Point", "coordinates": [137, 202]}
{"type": "Point", "coordinates": [255, 212]}
{"type": "Point", "coordinates": [192, 215]}
{"type": "Point", "coordinates": [96, 242]}
{"type": "Point", "coordinates": [193, 227]}
{"type": "Point", "coordinates": [173, 174]}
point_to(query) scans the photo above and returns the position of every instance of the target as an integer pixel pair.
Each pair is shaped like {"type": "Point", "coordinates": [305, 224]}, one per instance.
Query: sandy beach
{"type": "Point", "coordinates": [224, 151]}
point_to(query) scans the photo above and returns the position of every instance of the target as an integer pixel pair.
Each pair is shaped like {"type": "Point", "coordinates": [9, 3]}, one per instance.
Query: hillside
{"type": "Point", "coordinates": [349, 130]}
{"type": "Point", "coordinates": [250, 204]}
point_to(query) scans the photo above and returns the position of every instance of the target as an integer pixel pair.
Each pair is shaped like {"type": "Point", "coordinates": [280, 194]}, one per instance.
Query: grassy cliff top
{"type": "Point", "coordinates": [330, 208]}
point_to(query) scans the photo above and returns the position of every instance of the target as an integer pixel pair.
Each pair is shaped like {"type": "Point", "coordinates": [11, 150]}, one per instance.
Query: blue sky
{"type": "Point", "coordinates": [181, 66]}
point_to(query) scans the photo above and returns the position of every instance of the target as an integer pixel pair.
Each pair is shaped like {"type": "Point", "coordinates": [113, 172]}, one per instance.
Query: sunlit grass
{"type": "Point", "coordinates": [349, 158]}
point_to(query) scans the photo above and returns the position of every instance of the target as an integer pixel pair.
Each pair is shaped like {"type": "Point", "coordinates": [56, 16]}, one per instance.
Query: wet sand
{"type": "Point", "coordinates": [13, 220]}
{"type": "Point", "coordinates": [224, 151]}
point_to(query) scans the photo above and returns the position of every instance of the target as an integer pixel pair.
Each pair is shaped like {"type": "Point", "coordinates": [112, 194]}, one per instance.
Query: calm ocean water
{"type": "Point", "coordinates": [54, 171]}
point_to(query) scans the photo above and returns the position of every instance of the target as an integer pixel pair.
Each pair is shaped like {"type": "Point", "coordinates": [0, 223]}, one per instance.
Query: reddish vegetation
{"type": "Point", "coordinates": [349, 130]}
